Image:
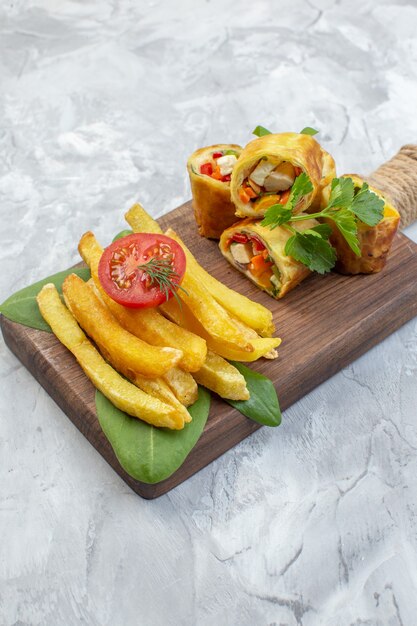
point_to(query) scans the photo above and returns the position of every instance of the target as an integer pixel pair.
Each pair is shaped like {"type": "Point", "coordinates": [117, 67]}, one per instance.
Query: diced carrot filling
{"type": "Point", "coordinates": [243, 195]}
{"type": "Point", "coordinates": [259, 265]}
{"type": "Point", "coordinates": [216, 173]}
{"type": "Point", "coordinates": [250, 192]}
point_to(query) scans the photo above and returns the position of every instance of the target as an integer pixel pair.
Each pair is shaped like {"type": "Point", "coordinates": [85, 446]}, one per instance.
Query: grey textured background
{"type": "Point", "coordinates": [101, 102]}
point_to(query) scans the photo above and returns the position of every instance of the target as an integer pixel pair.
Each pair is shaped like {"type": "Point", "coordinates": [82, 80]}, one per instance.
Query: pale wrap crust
{"type": "Point", "coordinates": [374, 241]}
{"type": "Point", "coordinates": [213, 208]}
{"type": "Point", "coordinates": [300, 150]}
{"type": "Point", "coordinates": [292, 272]}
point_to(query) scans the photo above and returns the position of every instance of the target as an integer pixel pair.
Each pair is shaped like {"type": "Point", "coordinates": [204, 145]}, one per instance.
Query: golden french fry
{"type": "Point", "coordinates": [211, 315]}
{"type": "Point", "coordinates": [140, 221]}
{"type": "Point", "coordinates": [182, 385]}
{"type": "Point", "coordinates": [262, 346]}
{"type": "Point", "coordinates": [147, 324]}
{"type": "Point", "coordinates": [158, 388]}
{"type": "Point", "coordinates": [205, 308]}
{"type": "Point", "coordinates": [253, 336]}
{"type": "Point", "coordinates": [223, 378]}
{"type": "Point", "coordinates": [127, 353]}
{"type": "Point", "coordinates": [253, 314]}
{"type": "Point", "coordinates": [120, 392]}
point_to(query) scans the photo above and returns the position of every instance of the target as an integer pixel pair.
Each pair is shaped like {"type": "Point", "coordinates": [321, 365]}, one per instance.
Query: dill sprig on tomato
{"type": "Point", "coordinates": [160, 273]}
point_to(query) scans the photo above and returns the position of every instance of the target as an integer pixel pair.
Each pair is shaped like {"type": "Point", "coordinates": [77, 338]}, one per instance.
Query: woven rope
{"type": "Point", "coordinates": [397, 179]}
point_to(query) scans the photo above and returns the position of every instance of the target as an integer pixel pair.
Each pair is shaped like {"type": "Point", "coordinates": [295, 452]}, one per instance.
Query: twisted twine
{"type": "Point", "coordinates": [397, 179]}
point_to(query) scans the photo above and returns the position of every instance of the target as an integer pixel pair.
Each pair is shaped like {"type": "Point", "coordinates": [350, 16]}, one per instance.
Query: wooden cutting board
{"type": "Point", "coordinates": [325, 323]}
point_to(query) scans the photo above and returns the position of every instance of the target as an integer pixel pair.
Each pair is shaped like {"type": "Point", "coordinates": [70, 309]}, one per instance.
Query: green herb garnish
{"type": "Point", "coordinates": [278, 214]}
{"type": "Point", "coordinates": [308, 131]}
{"type": "Point", "coordinates": [367, 206]}
{"type": "Point", "coordinates": [345, 206]}
{"type": "Point", "coordinates": [260, 131]}
{"type": "Point", "coordinates": [160, 273]}
{"type": "Point", "coordinates": [312, 250]}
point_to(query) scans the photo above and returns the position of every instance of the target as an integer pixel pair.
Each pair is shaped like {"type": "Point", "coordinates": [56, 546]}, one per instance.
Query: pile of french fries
{"type": "Point", "coordinates": [148, 362]}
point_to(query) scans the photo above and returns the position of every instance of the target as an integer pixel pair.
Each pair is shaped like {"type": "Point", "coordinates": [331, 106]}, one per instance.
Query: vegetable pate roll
{"type": "Point", "coordinates": [268, 167]}
{"type": "Point", "coordinates": [258, 253]}
{"type": "Point", "coordinates": [374, 241]}
{"type": "Point", "coordinates": [210, 171]}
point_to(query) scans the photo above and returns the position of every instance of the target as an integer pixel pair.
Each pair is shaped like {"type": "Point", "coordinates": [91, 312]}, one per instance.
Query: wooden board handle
{"type": "Point", "coordinates": [397, 179]}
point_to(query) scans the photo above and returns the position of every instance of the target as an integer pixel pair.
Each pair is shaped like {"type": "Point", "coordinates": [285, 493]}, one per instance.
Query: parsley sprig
{"type": "Point", "coordinates": [159, 272]}
{"type": "Point", "coordinates": [279, 214]}
{"type": "Point", "coordinates": [345, 206]}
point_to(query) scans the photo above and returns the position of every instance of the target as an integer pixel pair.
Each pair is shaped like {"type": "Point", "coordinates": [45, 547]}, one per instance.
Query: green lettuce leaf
{"type": "Point", "coordinates": [146, 453]}
{"type": "Point", "coordinates": [263, 405]}
{"type": "Point", "coordinates": [22, 307]}
{"type": "Point", "coordinates": [123, 233]}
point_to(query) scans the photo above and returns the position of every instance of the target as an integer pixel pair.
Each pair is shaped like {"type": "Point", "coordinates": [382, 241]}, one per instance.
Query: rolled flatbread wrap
{"type": "Point", "coordinates": [258, 253]}
{"type": "Point", "coordinates": [374, 241]}
{"type": "Point", "coordinates": [268, 167]}
{"type": "Point", "coordinates": [210, 172]}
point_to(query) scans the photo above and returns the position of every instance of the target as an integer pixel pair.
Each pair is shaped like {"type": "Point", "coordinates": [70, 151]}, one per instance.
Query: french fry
{"type": "Point", "coordinates": [253, 314]}
{"type": "Point", "coordinates": [120, 392]}
{"type": "Point", "coordinates": [215, 374]}
{"type": "Point", "coordinates": [222, 378]}
{"type": "Point", "coordinates": [262, 346]}
{"type": "Point", "coordinates": [181, 382]}
{"type": "Point", "coordinates": [199, 297]}
{"type": "Point", "coordinates": [127, 353]}
{"type": "Point", "coordinates": [182, 385]}
{"type": "Point", "coordinates": [147, 324]}
{"type": "Point", "coordinates": [158, 388]}
{"type": "Point", "coordinates": [140, 221]}
{"type": "Point", "coordinates": [252, 335]}
{"type": "Point", "coordinates": [211, 315]}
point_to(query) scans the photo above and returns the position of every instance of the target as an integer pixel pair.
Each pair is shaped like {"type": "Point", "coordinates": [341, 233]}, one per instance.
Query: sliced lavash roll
{"type": "Point", "coordinates": [268, 167]}
{"type": "Point", "coordinates": [279, 273]}
{"type": "Point", "coordinates": [213, 209]}
{"type": "Point", "coordinates": [374, 241]}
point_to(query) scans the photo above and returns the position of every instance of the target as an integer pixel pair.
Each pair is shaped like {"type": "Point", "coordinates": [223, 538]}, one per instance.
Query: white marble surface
{"type": "Point", "coordinates": [314, 523]}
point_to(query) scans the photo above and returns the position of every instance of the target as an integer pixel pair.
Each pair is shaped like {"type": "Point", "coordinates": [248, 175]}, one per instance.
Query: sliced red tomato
{"type": "Point", "coordinates": [258, 246]}
{"type": "Point", "coordinates": [240, 238]}
{"type": "Point", "coordinates": [217, 155]}
{"type": "Point", "coordinates": [206, 169]}
{"type": "Point", "coordinates": [130, 269]}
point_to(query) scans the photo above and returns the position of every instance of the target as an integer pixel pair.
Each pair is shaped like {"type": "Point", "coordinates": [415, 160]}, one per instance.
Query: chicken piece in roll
{"type": "Point", "coordinates": [210, 171]}
{"type": "Point", "coordinates": [259, 253]}
{"type": "Point", "coordinates": [268, 167]}
{"type": "Point", "coordinates": [374, 241]}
